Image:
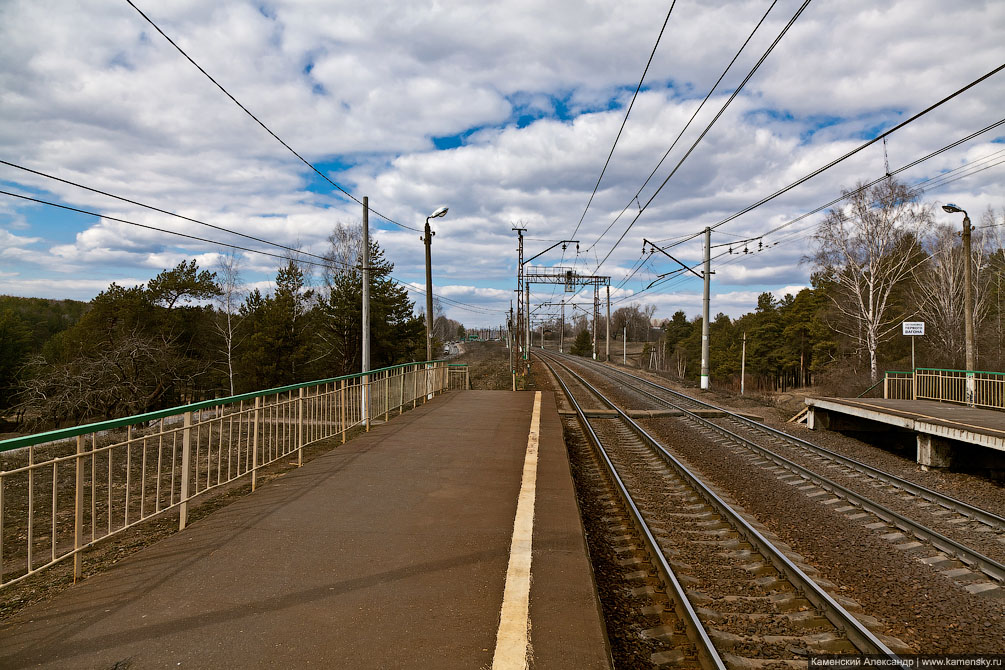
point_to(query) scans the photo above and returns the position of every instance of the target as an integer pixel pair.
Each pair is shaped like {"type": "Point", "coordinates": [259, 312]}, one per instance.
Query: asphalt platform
{"type": "Point", "coordinates": [388, 552]}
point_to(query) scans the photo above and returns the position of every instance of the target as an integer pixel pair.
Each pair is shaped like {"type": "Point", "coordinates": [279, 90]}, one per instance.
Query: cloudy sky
{"type": "Point", "coordinates": [505, 112]}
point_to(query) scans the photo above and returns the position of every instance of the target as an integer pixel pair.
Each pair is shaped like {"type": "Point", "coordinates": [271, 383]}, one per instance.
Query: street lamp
{"type": "Point", "coordinates": [968, 297]}
{"type": "Point", "coordinates": [428, 238]}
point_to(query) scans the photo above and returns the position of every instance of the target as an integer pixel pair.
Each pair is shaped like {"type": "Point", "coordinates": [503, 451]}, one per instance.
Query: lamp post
{"type": "Point", "coordinates": [968, 298]}
{"type": "Point", "coordinates": [428, 238]}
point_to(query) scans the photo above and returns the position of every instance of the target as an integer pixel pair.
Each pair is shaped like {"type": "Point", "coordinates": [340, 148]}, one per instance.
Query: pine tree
{"type": "Point", "coordinates": [583, 346]}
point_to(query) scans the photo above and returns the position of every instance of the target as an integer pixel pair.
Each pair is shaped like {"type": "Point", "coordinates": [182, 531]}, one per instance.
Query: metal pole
{"type": "Point", "coordinates": [526, 325]}
{"type": "Point", "coordinates": [428, 238]}
{"type": "Point", "coordinates": [78, 511]}
{"type": "Point", "coordinates": [366, 307]}
{"type": "Point", "coordinates": [914, 373]}
{"type": "Point", "coordinates": [705, 310]}
{"type": "Point", "coordinates": [743, 363]}
{"type": "Point", "coordinates": [512, 370]}
{"type": "Point", "coordinates": [624, 347]}
{"type": "Point", "coordinates": [518, 325]}
{"type": "Point", "coordinates": [968, 306]}
{"type": "Point", "coordinates": [300, 423]}
{"type": "Point", "coordinates": [607, 352]}
{"type": "Point", "coordinates": [186, 456]}
{"type": "Point", "coordinates": [596, 313]}
{"type": "Point", "coordinates": [561, 339]}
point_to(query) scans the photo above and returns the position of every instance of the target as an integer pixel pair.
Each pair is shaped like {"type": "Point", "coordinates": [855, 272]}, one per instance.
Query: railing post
{"type": "Point", "coordinates": [343, 407]}
{"type": "Point", "coordinates": [415, 385]}
{"type": "Point", "coordinates": [78, 511]}
{"type": "Point", "coordinates": [914, 384]}
{"type": "Point", "coordinates": [300, 428]}
{"type": "Point", "coordinates": [467, 379]}
{"type": "Point", "coordinates": [186, 461]}
{"type": "Point", "coordinates": [886, 386]}
{"type": "Point", "coordinates": [365, 405]}
{"type": "Point", "coordinates": [401, 395]}
{"type": "Point", "coordinates": [254, 445]}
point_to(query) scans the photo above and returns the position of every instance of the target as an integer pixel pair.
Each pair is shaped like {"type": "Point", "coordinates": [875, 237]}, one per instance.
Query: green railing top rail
{"type": "Point", "coordinates": [976, 372]}
{"type": "Point", "coordinates": [85, 429]}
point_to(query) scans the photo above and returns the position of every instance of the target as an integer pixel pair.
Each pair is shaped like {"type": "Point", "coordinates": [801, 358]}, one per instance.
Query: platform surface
{"type": "Point", "coordinates": [959, 422]}
{"type": "Point", "coordinates": [388, 552]}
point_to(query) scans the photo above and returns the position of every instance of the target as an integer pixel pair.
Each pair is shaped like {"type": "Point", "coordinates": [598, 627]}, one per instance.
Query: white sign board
{"type": "Point", "coordinates": [913, 327]}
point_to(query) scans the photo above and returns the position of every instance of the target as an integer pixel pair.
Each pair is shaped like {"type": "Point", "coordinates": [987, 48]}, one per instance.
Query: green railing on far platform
{"type": "Point", "coordinates": [966, 387]}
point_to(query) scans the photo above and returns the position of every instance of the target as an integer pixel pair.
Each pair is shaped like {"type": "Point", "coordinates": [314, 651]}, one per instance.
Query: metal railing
{"type": "Point", "coordinates": [898, 385]}
{"type": "Point", "coordinates": [66, 490]}
{"type": "Point", "coordinates": [965, 387]}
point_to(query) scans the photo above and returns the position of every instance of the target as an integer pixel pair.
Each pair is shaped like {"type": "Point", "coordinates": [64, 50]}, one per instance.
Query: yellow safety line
{"type": "Point", "coordinates": [512, 640]}
{"type": "Point", "coordinates": [924, 416]}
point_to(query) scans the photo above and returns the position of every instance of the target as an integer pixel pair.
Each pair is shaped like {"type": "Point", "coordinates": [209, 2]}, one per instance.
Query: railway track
{"type": "Point", "coordinates": [949, 548]}
{"type": "Point", "coordinates": [726, 595]}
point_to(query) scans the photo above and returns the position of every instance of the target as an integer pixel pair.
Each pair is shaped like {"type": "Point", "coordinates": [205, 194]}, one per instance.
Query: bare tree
{"type": "Point", "coordinates": [130, 376]}
{"type": "Point", "coordinates": [939, 287]}
{"type": "Point", "coordinates": [232, 294]}
{"type": "Point", "coordinates": [865, 250]}
{"type": "Point", "coordinates": [994, 227]}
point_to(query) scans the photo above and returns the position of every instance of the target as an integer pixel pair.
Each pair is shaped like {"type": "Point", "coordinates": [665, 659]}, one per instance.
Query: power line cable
{"type": "Point", "coordinates": [162, 211]}
{"type": "Point", "coordinates": [851, 153]}
{"type": "Point", "coordinates": [327, 263]}
{"type": "Point", "coordinates": [625, 120]}
{"type": "Point", "coordinates": [259, 122]}
{"type": "Point", "coordinates": [688, 124]}
{"type": "Point", "coordinates": [711, 123]}
{"type": "Point", "coordinates": [169, 232]}
{"type": "Point", "coordinates": [873, 182]}
{"type": "Point", "coordinates": [902, 168]}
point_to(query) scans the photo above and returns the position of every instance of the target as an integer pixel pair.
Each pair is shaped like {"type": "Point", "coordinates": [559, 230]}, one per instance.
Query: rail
{"type": "Point", "coordinates": [65, 490]}
{"type": "Point", "coordinates": [858, 634]}
{"type": "Point", "coordinates": [965, 387]}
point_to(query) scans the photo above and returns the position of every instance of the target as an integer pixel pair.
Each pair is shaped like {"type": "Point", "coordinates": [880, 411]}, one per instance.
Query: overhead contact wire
{"type": "Point", "coordinates": [259, 122]}
{"type": "Point", "coordinates": [625, 120]}
{"type": "Point", "coordinates": [711, 123]}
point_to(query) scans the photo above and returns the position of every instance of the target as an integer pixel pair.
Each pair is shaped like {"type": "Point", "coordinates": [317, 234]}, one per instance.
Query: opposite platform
{"type": "Point", "coordinates": [388, 552]}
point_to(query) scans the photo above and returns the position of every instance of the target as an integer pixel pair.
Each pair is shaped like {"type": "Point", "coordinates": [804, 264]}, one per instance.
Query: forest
{"type": "Point", "coordinates": [191, 334]}
{"type": "Point", "coordinates": [880, 260]}
{"type": "Point", "coordinates": [194, 333]}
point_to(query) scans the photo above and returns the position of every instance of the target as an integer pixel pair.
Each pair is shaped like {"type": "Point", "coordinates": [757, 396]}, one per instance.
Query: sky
{"type": "Point", "coordinates": [504, 112]}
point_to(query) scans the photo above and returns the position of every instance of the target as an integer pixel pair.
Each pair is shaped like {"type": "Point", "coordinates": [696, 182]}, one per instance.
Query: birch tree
{"type": "Point", "coordinates": [939, 288]}
{"type": "Point", "coordinates": [865, 251]}
{"type": "Point", "coordinates": [228, 303]}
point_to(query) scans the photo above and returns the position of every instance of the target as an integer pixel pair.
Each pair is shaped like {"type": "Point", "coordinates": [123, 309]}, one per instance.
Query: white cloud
{"type": "Point", "coordinates": [91, 93]}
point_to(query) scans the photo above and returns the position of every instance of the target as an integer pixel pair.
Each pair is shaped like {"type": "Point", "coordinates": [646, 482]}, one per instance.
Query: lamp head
{"type": "Point", "coordinates": [951, 208]}
{"type": "Point", "coordinates": [440, 212]}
